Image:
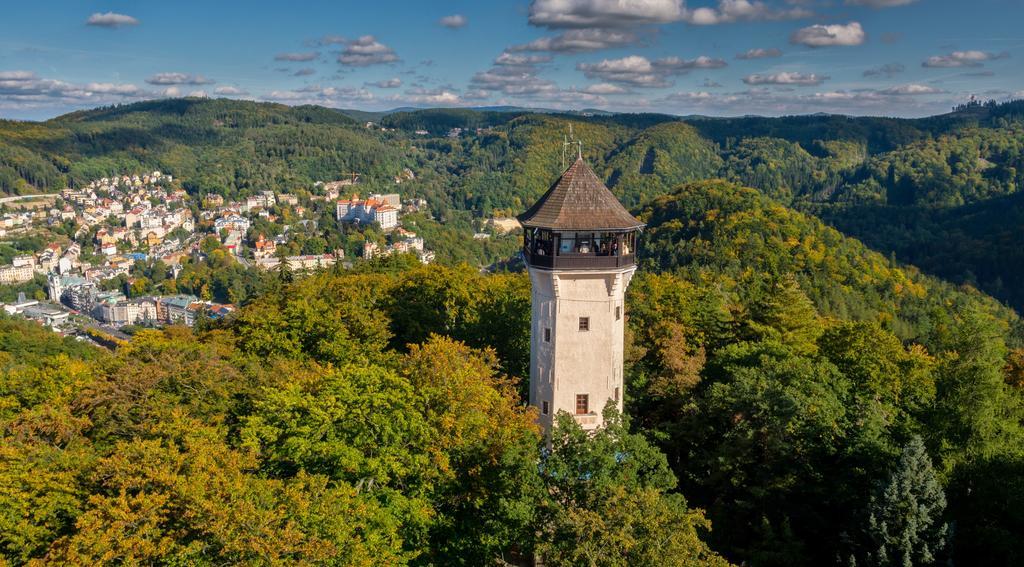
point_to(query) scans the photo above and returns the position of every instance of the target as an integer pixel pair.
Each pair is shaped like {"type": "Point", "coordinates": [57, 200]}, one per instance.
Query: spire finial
{"type": "Point", "coordinates": [579, 146]}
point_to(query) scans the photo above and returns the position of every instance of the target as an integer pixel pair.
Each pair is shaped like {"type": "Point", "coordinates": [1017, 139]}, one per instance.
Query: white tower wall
{"type": "Point", "coordinates": [566, 361]}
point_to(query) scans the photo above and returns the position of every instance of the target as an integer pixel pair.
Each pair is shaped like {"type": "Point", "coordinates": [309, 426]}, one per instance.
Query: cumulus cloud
{"type": "Point", "coordinates": [603, 13]}
{"type": "Point", "coordinates": [304, 56]}
{"type": "Point", "coordinates": [605, 89]}
{"type": "Point", "coordinates": [325, 96]}
{"type": "Point", "coordinates": [690, 97]}
{"type": "Point", "coordinates": [787, 78]}
{"type": "Point", "coordinates": [366, 51]}
{"type": "Point", "coordinates": [515, 59]}
{"type": "Point", "coordinates": [17, 75]}
{"type": "Point", "coordinates": [709, 84]}
{"type": "Point", "coordinates": [393, 83]}
{"type": "Point", "coordinates": [442, 97]}
{"type": "Point", "coordinates": [963, 59]}
{"type": "Point", "coordinates": [766, 101]}
{"type": "Point", "coordinates": [304, 72]}
{"type": "Point", "coordinates": [454, 21]}
{"type": "Point", "coordinates": [178, 79]}
{"type": "Point", "coordinates": [887, 70]}
{"type": "Point", "coordinates": [820, 35]}
{"type": "Point", "coordinates": [760, 53]}
{"type": "Point", "coordinates": [579, 41]}
{"type": "Point", "coordinates": [24, 89]}
{"type": "Point", "coordinates": [729, 11]}
{"type": "Point", "coordinates": [113, 88]}
{"type": "Point", "coordinates": [679, 65]}
{"type": "Point", "coordinates": [110, 20]}
{"type": "Point", "coordinates": [911, 90]}
{"type": "Point", "coordinates": [513, 74]}
{"type": "Point", "coordinates": [511, 81]}
{"type": "Point", "coordinates": [633, 70]}
{"type": "Point", "coordinates": [638, 71]}
{"type": "Point", "coordinates": [230, 91]}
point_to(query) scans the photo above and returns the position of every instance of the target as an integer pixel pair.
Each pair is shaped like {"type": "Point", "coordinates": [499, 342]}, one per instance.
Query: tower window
{"type": "Point", "coordinates": [618, 312]}
{"type": "Point", "coordinates": [547, 335]}
{"type": "Point", "coordinates": [616, 393]}
{"type": "Point", "coordinates": [584, 323]}
{"type": "Point", "coordinates": [544, 408]}
{"type": "Point", "coordinates": [582, 404]}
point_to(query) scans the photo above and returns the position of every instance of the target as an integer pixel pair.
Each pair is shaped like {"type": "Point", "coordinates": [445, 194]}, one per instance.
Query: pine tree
{"type": "Point", "coordinates": [905, 523]}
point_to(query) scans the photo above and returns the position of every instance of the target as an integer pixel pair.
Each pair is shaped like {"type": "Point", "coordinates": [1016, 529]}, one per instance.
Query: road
{"type": "Point", "coordinates": [26, 197]}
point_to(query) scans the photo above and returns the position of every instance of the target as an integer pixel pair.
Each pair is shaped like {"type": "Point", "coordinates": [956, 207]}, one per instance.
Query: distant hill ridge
{"type": "Point", "coordinates": [857, 172]}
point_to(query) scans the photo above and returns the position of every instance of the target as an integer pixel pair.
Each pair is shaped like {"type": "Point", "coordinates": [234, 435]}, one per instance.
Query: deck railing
{"type": "Point", "coordinates": [578, 261]}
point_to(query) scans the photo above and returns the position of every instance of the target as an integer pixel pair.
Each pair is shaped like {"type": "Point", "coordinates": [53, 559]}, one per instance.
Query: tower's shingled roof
{"type": "Point", "coordinates": [579, 201]}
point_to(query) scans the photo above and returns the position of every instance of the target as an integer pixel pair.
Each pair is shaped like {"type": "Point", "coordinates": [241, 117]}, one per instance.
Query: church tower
{"type": "Point", "coordinates": [580, 250]}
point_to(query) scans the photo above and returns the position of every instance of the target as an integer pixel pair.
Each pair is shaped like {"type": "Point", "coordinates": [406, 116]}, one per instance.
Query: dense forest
{"type": "Point", "coordinates": [793, 398]}
{"type": "Point", "coordinates": [824, 357]}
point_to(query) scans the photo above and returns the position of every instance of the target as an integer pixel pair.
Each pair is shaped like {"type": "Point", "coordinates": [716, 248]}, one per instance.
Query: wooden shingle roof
{"type": "Point", "coordinates": [579, 201]}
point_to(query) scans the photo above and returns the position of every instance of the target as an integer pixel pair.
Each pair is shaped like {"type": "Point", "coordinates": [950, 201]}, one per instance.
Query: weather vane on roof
{"type": "Point", "coordinates": [568, 141]}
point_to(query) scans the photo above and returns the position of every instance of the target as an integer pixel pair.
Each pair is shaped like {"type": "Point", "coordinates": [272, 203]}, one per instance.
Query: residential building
{"type": "Point", "coordinates": [378, 209]}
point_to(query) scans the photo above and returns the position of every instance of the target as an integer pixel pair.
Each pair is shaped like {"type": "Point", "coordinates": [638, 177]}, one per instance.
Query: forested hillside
{"type": "Point", "coordinates": [796, 399]}
{"type": "Point", "coordinates": [940, 193]}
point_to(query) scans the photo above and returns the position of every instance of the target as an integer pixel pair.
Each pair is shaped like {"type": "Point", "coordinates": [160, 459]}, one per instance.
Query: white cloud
{"type": "Point", "coordinates": [911, 90]}
{"type": "Point", "coordinates": [513, 74]}
{"type": "Point", "coordinates": [393, 83]}
{"type": "Point", "coordinates": [603, 13]}
{"type": "Point", "coordinates": [515, 59]}
{"type": "Point", "coordinates": [304, 56]}
{"type": "Point", "coordinates": [787, 78]}
{"type": "Point", "coordinates": [605, 89]}
{"type": "Point", "coordinates": [887, 70]}
{"type": "Point", "coordinates": [678, 65]}
{"type": "Point", "coordinates": [110, 20]}
{"type": "Point", "coordinates": [880, 3]}
{"type": "Point", "coordinates": [511, 81]}
{"type": "Point", "coordinates": [178, 79]}
{"type": "Point", "coordinates": [326, 96]}
{"type": "Point", "coordinates": [113, 88]}
{"type": "Point", "coordinates": [442, 97]}
{"type": "Point", "coordinates": [453, 21]}
{"type": "Point", "coordinates": [579, 41]}
{"type": "Point", "coordinates": [963, 59]}
{"type": "Point", "coordinates": [690, 97]}
{"type": "Point", "coordinates": [230, 91]}
{"type": "Point", "coordinates": [25, 89]}
{"type": "Point", "coordinates": [760, 53]}
{"type": "Point", "coordinates": [366, 51]}
{"type": "Point", "coordinates": [766, 101]}
{"type": "Point", "coordinates": [729, 11]}
{"type": "Point", "coordinates": [639, 71]}
{"type": "Point", "coordinates": [820, 35]}
{"type": "Point", "coordinates": [633, 70]}
{"type": "Point", "coordinates": [17, 75]}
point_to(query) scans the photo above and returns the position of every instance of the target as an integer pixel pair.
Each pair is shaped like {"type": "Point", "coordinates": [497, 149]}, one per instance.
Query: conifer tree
{"type": "Point", "coordinates": [905, 516]}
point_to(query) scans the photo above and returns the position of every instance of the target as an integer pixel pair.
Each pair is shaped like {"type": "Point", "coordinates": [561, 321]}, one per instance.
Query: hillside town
{"type": "Point", "coordinates": [97, 236]}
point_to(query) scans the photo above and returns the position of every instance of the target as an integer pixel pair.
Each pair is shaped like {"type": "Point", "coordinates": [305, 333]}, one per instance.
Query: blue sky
{"type": "Point", "coordinates": [716, 57]}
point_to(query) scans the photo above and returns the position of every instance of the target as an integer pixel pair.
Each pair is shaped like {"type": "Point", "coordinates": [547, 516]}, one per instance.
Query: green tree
{"type": "Point", "coordinates": [607, 501]}
{"type": "Point", "coordinates": [905, 522]}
